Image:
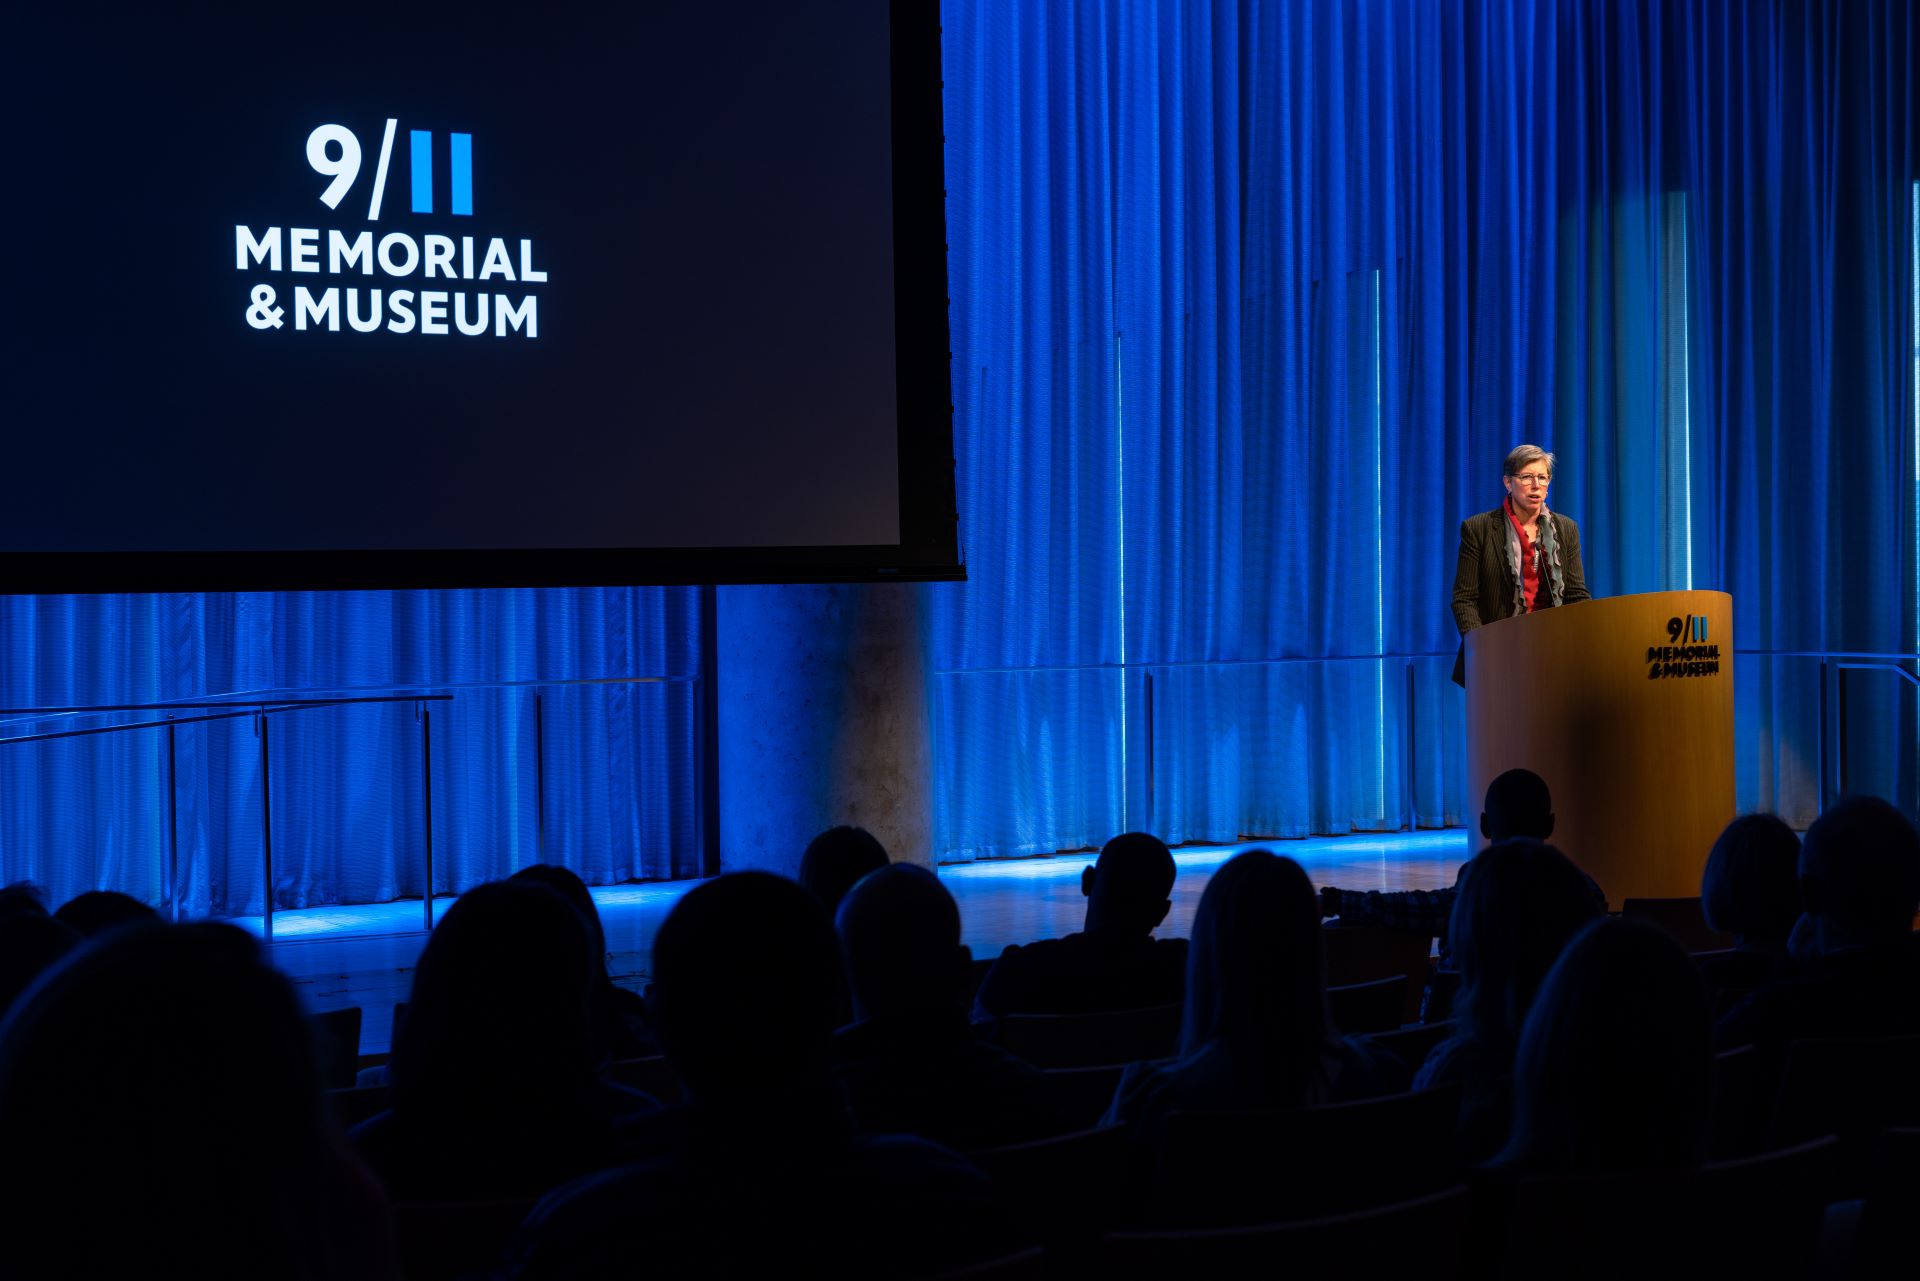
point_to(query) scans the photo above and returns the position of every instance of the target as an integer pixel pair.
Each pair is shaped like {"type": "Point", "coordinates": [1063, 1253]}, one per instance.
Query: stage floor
{"type": "Point", "coordinates": [364, 955]}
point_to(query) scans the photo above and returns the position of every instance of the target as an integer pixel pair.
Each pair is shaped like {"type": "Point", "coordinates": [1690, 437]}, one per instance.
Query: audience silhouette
{"type": "Point", "coordinates": [619, 1016]}
{"type": "Point", "coordinates": [1256, 1033]}
{"type": "Point", "coordinates": [97, 911]}
{"type": "Point", "coordinates": [1115, 962]}
{"type": "Point", "coordinates": [910, 1062]}
{"type": "Point", "coordinates": [762, 1171]}
{"type": "Point", "coordinates": [1857, 959]}
{"type": "Point", "coordinates": [494, 1070]}
{"type": "Point", "coordinates": [30, 942]}
{"type": "Point", "coordinates": [161, 1116]}
{"type": "Point", "coordinates": [1511, 920]}
{"type": "Point", "coordinates": [22, 898]}
{"type": "Point", "coordinates": [1517, 805]}
{"type": "Point", "coordinates": [836, 859]}
{"type": "Point", "coordinates": [154, 1076]}
{"type": "Point", "coordinates": [1750, 890]}
{"type": "Point", "coordinates": [1615, 1064]}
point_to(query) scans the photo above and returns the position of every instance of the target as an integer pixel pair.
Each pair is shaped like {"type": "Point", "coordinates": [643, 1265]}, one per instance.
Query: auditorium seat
{"type": "Point", "coordinates": [976, 975]}
{"type": "Point", "coordinates": [1368, 1007]}
{"type": "Point", "coordinates": [652, 1075]}
{"type": "Point", "coordinates": [355, 1104]}
{"type": "Point", "coordinates": [1884, 1247]}
{"type": "Point", "coordinates": [1755, 1217]}
{"type": "Point", "coordinates": [443, 1240]}
{"type": "Point", "coordinates": [1221, 1169]}
{"type": "Point", "coordinates": [1682, 918]}
{"type": "Point", "coordinates": [1022, 1265]}
{"type": "Point", "coordinates": [1420, 1238]}
{"type": "Point", "coordinates": [1091, 1040]}
{"type": "Point", "coordinates": [1061, 1192]}
{"type": "Point", "coordinates": [1853, 1088]}
{"type": "Point", "coordinates": [338, 1034]}
{"type": "Point", "coordinates": [1084, 1094]}
{"type": "Point", "coordinates": [1411, 1045]}
{"type": "Point", "coordinates": [1742, 1090]}
{"type": "Point", "coordinates": [1363, 953]}
{"type": "Point", "coordinates": [1441, 990]}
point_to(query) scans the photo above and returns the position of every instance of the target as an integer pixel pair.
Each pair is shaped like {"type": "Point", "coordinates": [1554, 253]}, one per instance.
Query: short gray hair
{"type": "Point", "coordinates": [1525, 454]}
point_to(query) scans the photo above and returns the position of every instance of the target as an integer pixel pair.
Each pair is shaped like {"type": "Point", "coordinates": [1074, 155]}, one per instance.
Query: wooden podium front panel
{"type": "Point", "coordinates": [1630, 725]}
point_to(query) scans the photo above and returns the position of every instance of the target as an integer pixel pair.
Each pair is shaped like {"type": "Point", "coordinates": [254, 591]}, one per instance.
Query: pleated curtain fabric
{"type": "Point", "coordinates": [1250, 301]}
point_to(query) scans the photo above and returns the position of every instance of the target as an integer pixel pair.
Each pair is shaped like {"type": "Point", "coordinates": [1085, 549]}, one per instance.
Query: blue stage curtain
{"type": "Point", "coordinates": [348, 799]}
{"type": "Point", "coordinates": [1251, 300]}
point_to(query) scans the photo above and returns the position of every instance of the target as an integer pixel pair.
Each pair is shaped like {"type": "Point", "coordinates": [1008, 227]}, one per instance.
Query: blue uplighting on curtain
{"type": "Point", "coordinates": [1250, 301]}
{"type": "Point", "coordinates": [348, 801]}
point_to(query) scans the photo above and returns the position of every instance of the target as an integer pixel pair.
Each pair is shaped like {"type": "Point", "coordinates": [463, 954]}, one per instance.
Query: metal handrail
{"type": "Point", "coordinates": [1833, 712]}
{"type": "Point", "coordinates": [340, 694]}
{"type": "Point", "coordinates": [260, 706]}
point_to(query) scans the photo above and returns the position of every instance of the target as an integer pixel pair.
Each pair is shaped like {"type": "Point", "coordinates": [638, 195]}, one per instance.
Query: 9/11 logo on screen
{"type": "Point", "coordinates": [334, 152]}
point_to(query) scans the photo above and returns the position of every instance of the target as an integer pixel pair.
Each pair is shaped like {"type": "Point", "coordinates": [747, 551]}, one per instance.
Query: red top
{"type": "Point", "coordinates": [1529, 571]}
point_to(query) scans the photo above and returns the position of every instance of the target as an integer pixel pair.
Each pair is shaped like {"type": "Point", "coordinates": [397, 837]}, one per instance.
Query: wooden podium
{"type": "Point", "coordinates": [1625, 707]}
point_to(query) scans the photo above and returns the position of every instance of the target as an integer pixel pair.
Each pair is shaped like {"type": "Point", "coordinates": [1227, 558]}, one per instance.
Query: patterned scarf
{"type": "Point", "coordinates": [1549, 547]}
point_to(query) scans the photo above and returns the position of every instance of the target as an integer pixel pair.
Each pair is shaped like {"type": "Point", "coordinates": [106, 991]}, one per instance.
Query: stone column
{"type": "Point", "coordinates": [823, 719]}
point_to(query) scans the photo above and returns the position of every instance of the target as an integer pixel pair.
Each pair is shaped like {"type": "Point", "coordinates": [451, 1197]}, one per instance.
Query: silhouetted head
{"type": "Point", "coordinates": [499, 1018]}
{"type": "Point", "coordinates": [1518, 804]}
{"type": "Point", "coordinates": [837, 858]}
{"type": "Point", "coordinates": [1751, 886]}
{"type": "Point", "coordinates": [746, 986]}
{"type": "Point", "coordinates": [1615, 1066]}
{"type": "Point", "coordinates": [1257, 971]}
{"type": "Point", "coordinates": [162, 1116]}
{"type": "Point", "coordinates": [1129, 887]}
{"type": "Point", "coordinates": [1859, 877]}
{"type": "Point", "coordinates": [1514, 914]}
{"type": "Point", "coordinates": [568, 885]}
{"type": "Point", "coordinates": [23, 897]}
{"type": "Point", "coordinates": [29, 945]}
{"type": "Point", "coordinates": [900, 934]}
{"type": "Point", "coordinates": [97, 911]}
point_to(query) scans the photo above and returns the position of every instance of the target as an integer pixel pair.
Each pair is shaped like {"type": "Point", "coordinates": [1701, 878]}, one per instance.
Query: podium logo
{"type": "Point", "coordinates": [334, 152]}
{"type": "Point", "coordinates": [1686, 652]}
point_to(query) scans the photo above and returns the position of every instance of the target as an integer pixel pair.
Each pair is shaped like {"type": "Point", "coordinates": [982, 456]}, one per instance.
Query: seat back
{"type": "Point", "coordinates": [1742, 1085]}
{"type": "Point", "coordinates": [1415, 1238]}
{"type": "Point", "coordinates": [1441, 989]}
{"type": "Point", "coordinates": [1368, 1007]}
{"type": "Point", "coordinates": [1853, 1088]}
{"type": "Point", "coordinates": [652, 1075]}
{"type": "Point", "coordinates": [1084, 1094]}
{"type": "Point", "coordinates": [1022, 1265]}
{"type": "Point", "coordinates": [1411, 1045]}
{"type": "Point", "coordinates": [442, 1240]}
{"type": "Point", "coordinates": [976, 975]}
{"type": "Point", "coordinates": [1759, 1216]}
{"type": "Point", "coordinates": [1061, 1191]}
{"type": "Point", "coordinates": [338, 1034]}
{"type": "Point", "coordinates": [1682, 918]}
{"type": "Point", "coordinates": [1092, 1040]}
{"type": "Point", "coordinates": [1364, 953]}
{"type": "Point", "coordinates": [1884, 1247]}
{"type": "Point", "coordinates": [355, 1104]}
{"type": "Point", "coordinates": [1236, 1168]}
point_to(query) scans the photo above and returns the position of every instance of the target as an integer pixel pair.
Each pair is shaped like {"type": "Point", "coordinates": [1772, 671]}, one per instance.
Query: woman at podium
{"type": "Point", "coordinates": [1517, 558]}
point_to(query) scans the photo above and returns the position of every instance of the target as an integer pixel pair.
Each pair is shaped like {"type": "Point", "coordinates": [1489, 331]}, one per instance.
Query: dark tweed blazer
{"type": "Point", "coordinates": [1483, 586]}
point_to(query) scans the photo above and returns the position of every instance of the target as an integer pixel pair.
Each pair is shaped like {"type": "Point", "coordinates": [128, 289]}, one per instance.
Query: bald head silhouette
{"type": "Point", "coordinates": [1517, 804]}
{"type": "Point", "coordinates": [1128, 888]}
